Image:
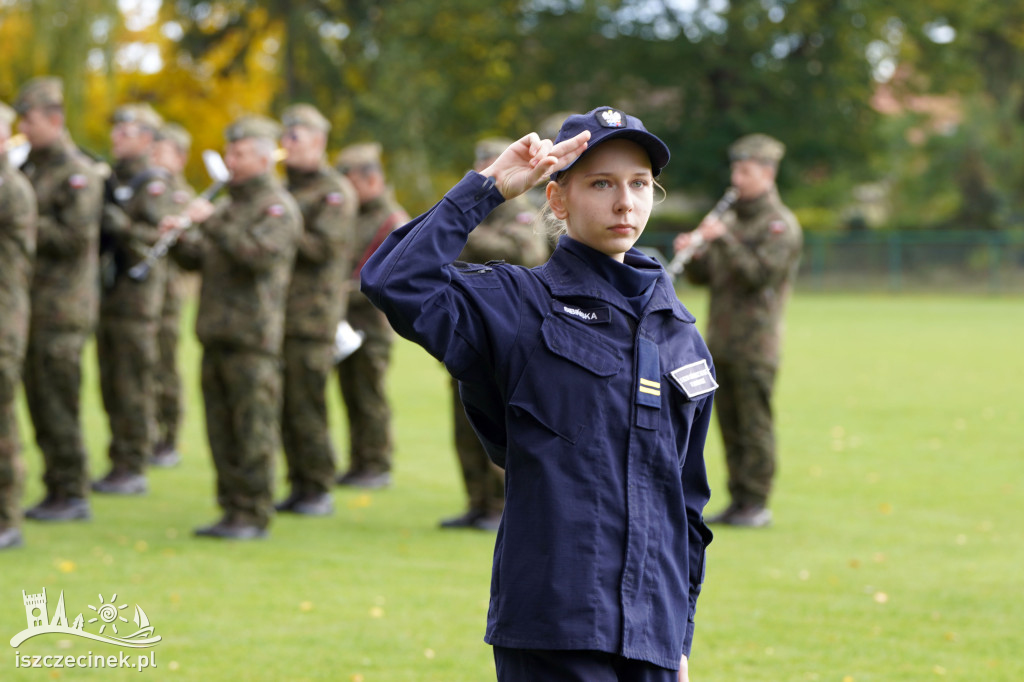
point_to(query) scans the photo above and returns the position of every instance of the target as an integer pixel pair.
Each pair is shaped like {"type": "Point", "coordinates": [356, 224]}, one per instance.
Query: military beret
{"type": "Point", "coordinates": [362, 155]}
{"type": "Point", "coordinates": [176, 135]}
{"type": "Point", "coordinates": [7, 114]}
{"type": "Point", "coordinates": [491, 147]}
{"type": "Point", "coordinates": [44, 91]}
{"type": "Point", "coordinates": [253, 126]}
{"type": "Point", "coordinates": [305, 115]}
{"type": "Point", "coordinates": [757, 147]}
{"type": "Point", "coordinates": [140, 113]}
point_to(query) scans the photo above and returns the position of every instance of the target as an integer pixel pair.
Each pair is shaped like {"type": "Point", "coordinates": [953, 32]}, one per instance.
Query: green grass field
{"type": "Point", "coordinates": [896, 554]}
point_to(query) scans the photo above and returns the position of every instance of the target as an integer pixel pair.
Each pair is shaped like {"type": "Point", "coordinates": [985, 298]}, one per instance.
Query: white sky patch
{"type": "Point", "coordinates": [139, 14]}
{"type": "Point", "coordinates": [143, 57]}
{"type": "Point", "coordinates": [940, 32]}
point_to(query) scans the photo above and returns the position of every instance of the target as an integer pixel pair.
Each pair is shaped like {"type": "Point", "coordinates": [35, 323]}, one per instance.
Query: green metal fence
{"type": "Point", "coordinates": [908, 260]}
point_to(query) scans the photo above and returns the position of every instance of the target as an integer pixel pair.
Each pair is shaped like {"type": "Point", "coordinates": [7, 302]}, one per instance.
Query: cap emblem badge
{"type": "Point", "coordinates": [611, 118]}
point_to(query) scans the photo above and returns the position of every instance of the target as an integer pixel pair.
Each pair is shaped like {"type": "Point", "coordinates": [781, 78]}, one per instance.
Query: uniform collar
{"type": "Point", "coordinates": [749, 207]}
{"type": "Point", "coordinates": [61, 147]}
{"type": "Point", "coordinates": [126, 169]}
{"type": "Point", "coordinates": [568, 275]}
{"type": "Point", "coordinates": [251, 186]}
{"type": "Point", "coordinates": [302, 178]}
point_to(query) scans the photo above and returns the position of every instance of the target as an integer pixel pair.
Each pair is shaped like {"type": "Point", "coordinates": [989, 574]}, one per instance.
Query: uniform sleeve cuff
{"type": "Point", "coordinates": [475, 193]}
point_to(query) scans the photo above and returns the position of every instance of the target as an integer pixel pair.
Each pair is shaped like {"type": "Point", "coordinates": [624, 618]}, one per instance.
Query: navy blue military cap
{"type": "Point", "coordinates": [606, 123]}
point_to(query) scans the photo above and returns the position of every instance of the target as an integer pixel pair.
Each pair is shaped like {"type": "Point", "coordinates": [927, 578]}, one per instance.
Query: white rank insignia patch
{"type": "Point", "coordinates": [610, 118]}
{"type": "Point", "coordinates": [276, 210]}
{"type": "Point", "coordinates": [78, 181]}
{"type": "Point", "coordinates": [695, 379]}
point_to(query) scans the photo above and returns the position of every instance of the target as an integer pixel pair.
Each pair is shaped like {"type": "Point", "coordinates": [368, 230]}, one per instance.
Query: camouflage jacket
{"type": "Point", "coordinates": [245, 252]}
{"type": "Point", "coordinates": [320, 279]}
{"type": "Point", "coordinates": [143, 197]}
{"type": "Point", "coordinates": [749, 271]}
{"type": "Point", "coordinates": [17, 252]}
{"type": "Point", "coordinates": [507, 234]}
{"type": "Point", "coordinates": [69, 197]}
{"type": "Point", "coordinates": [377, 218]}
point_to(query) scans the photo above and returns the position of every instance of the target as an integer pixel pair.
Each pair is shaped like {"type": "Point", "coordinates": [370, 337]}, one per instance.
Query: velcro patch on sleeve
{"type": "Point", "coordinates": [695, 379]}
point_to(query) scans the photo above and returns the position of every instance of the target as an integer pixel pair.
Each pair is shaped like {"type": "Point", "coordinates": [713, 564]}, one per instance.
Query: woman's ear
{"type": "Point", "coordinates": [556, 200]}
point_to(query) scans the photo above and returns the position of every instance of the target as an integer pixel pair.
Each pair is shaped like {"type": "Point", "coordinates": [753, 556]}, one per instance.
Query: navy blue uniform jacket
{"type": "Point", "coordinates": [601, 545]}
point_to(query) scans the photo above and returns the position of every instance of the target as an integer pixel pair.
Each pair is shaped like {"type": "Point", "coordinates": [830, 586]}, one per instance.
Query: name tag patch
{"type": "Point", "coordinates": [695, 379]}
{"type": "Point", "coordinates": [588, 315]}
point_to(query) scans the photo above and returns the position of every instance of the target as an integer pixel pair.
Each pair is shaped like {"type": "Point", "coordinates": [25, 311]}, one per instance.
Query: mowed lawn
{"type": "Point", "coordinates": [896, 554]}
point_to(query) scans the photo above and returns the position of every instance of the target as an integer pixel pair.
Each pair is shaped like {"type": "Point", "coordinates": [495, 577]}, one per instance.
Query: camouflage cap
{"type": "Point", "coordinates": [253, 126]}
{"type": "Point", "coordinates": [758, 147]}
{"type": "Point", "coordinates": [362, 155]}
{"type": "Point", "coordinates": [175, 134]}
{"type": "Point", "coordinates": [7, 114]}
{"type": "Point", "coordinates": [38, 93]}
{"type": "Point", "coordinates": [140, 113]}
{"type": "Point", "coordinates": [305, 115]}
{"type": "Point", "coordinates": [491, 147]}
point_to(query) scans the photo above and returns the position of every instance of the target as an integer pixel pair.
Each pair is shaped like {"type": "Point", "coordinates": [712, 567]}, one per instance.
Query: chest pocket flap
{"type": "Point", "coordinates": [581, 346]}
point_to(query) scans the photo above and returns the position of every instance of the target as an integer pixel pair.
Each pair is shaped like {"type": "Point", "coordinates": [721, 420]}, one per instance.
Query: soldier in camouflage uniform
{"type": "Point", "coordinates": [17, 251]}
{"type": "Point", "coordinates": [64, 297]}
{"type": "Point", "coordinates": [749, 264]}
{"type": "Point", "coordinates": [245, 250]}
{"type": "Point", "coordinates": [362, 374]}
{"type": "Point", "coordinates": [322, 266]}
{"type": "Point", "coordinates": [126, 343]}
{"type": "Point", "coordinates": [506, 234]}
{"type": "Point", "coordinates": [170, 152]}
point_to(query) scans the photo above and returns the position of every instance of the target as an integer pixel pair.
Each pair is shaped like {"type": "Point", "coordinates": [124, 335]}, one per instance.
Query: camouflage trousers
{"type": "Point", "coordinates": [743, 403]}
{"type": "Point", "coordinates": [242, 400]}
{"type": "Point", "coordinates": [127, 354]}
{"type": "Point", "coordinates": [304, 430]}
{"type": "Point", "coordinates": [362, 378]}
{"type": "Point", "coordinates": [167, 378]}
{"type": "Point", "coordinates": [167, 381]}
{"type": "Point", "coordinates": [53, 380]}
{"type": "Point", "coordinates": [12, 471]}
{"type": "Point", "coordinates": [485, 482]}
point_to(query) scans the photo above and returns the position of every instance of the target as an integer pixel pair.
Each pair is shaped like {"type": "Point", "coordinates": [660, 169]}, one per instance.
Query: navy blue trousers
{"type": "Point", "coordinates": [539, 665]}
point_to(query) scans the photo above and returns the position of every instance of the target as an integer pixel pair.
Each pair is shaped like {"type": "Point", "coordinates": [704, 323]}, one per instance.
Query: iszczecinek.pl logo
{"type": "Point", "coordinates": [109, 619]}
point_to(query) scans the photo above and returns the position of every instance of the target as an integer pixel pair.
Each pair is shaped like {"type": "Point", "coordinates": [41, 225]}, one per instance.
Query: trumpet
{"type": "Point", "coordinates": [17, 148]}
{"type": "Point", "coordinates": [685, 255]}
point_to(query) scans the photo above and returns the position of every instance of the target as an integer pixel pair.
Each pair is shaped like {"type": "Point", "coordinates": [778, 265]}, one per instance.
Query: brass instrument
{"type": "Point", "coordinates": [684, 256]}
{"type": "Point", "coordinates": [17, 148]}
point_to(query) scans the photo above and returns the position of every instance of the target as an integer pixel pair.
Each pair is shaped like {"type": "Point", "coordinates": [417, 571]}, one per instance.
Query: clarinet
{"type": "Point", "coordinates": [140, 271]}
{"type": "Point", "coordinates": [684, 256]}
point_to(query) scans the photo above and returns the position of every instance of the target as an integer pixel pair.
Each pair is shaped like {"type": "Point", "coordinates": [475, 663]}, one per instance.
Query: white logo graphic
{"type": "Point", "coordinates": [612, 118]}
{"type": "Point", "coordinates": [109, 615]}
{"type": "Point", "coordinates": [579, 313]}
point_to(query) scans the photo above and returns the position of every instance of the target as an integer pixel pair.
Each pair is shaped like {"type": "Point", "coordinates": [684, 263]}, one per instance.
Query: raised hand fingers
{"type": "Point", "coordinates": [567, 151]}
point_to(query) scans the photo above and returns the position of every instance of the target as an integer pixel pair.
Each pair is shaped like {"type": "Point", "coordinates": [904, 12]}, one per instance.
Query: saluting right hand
{"type": "Point", "coordinates": [529, 159]}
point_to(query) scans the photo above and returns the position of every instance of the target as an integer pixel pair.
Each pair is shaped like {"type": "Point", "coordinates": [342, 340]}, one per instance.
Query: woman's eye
{"type": "Point", "coordinates": [639, 184]}
{"type": "Point", "coordinates": [601, 184]}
